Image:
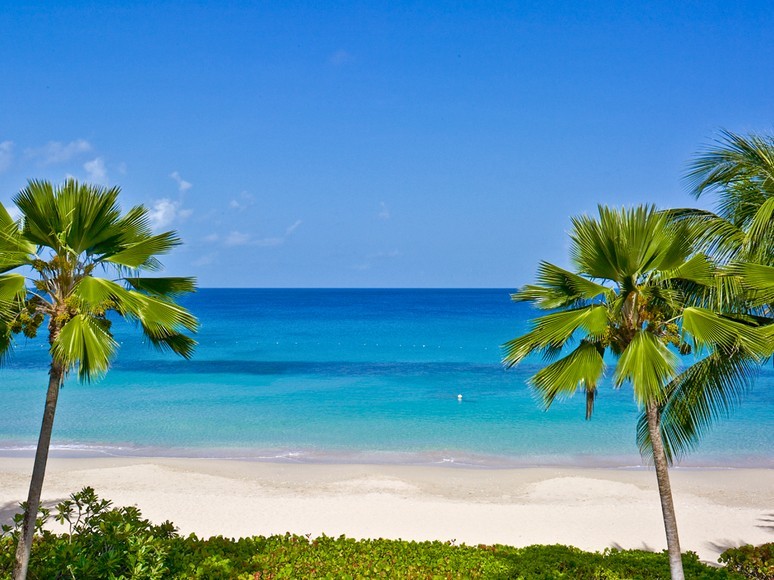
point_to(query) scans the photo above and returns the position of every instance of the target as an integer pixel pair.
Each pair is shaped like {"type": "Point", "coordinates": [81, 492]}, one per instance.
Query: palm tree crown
{"type": "Point", "coordinates": [636, 291]}
{"type": "Point", "coordinates": [66, 236]}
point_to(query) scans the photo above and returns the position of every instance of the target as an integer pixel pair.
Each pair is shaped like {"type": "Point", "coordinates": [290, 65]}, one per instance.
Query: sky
{"type": "Point", "coordinates": [376, 144]}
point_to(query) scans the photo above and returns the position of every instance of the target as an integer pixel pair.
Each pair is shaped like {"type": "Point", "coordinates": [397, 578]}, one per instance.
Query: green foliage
{"type": "Point", "coordinates": [66, 234]}
{"type": "Point", "coordinates": [751, 561]}
{"type": "Point", "coordinates": [102, 541]}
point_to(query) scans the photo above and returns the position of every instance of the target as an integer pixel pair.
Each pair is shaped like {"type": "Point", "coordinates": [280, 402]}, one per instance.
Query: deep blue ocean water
{"type": "Point", "coordinates": [347, 375]}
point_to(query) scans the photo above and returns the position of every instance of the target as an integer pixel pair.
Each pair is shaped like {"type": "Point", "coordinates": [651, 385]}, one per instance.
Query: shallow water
{"type": "Point", "coordinates": [348, 376]}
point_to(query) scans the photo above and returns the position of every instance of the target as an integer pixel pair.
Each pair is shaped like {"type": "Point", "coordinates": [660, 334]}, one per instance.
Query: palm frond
{"type": "Point", "coordinates": [15, 251]}
{"type": "Point", "coordinates": [621, 245]}
{"type": "Point", "coordinates": [12, 287]}
{"type": "Point", "coordinates": [169, 287]}
{"type": "Point", "coordinates": [648, 365]}
{"type": "Point", "coordinates": [728, 166]}
{"type": "Point", "coordinates": [85, 342]}
{"type": "Point", "coordinates": [89, 213]}
{"type": "Point", "coordinates": [43, 224]}
{"type": "Point", "coordinates": [558, 288]}
{"type": "Point", "coordinates": [583, 367]}
{"type": "Point", "coordinates": [142, 253]}
{"type": "Point", "coordinates": [760, 234]}
{"type": "Point", "coordinates": [698, 269]}
{"type": "Point", "coordinates": [554, 330]}
{"type": "Point", "coordinates": [706, 391]}
{"type": "Point", "coordinates": [758, 279]}
{"type": "Point", "coordinates": [711, 233]}
{"type": "Point", "coordinates": [711, 330]}
{"type": "Point", "coordinates": [177, 343]}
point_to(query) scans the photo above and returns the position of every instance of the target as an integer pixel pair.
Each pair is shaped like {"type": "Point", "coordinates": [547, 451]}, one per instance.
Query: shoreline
{"type": "Point", "coordinates": [427, 458]}
{"type": "Point", "coordinates": [591, 508]}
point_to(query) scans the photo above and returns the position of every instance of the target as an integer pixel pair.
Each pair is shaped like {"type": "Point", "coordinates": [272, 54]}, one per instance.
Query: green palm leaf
{"type": "Point", "coordinates": [648, 365]}
{"type": "Point", "coordinates": [707, 390]}
{"type": "Point", "coordinates": [12, 287]}
{"type": "Point", "coordinates": [557, 288]}
{"type": "Point", "coordinates": [170, 287]}
{"type": "Point", "coordinates": [552, 331]}
{"type": "Point", "coordinates": [583, 367]}
{"type": "Point", "coordinates": [712, 330]}
{"type": "Point", "coordinates": [141, 253]}
{"type": "Point", "coordinates": [86, 342]}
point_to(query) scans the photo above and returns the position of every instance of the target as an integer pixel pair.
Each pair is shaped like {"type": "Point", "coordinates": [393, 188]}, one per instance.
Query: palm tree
{"type": "Point", "coordinates": [739, 170]}
{"type": "Point", "coordinates": [65, 236]}
{"type": "Point", "coordinates": [637, 295]}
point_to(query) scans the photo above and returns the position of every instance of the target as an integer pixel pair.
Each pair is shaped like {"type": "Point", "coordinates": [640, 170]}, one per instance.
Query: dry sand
{"type": "Point", "coordinates": [588, 508]}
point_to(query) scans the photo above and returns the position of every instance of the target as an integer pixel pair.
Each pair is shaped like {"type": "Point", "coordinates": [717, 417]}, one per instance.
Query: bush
{"type": "Point", "coordinates": [102, 541]}
{"type": "Point", "coordinates": [751, 561]}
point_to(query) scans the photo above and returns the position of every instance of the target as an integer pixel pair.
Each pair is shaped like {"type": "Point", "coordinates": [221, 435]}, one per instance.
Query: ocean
{"type": "Point", "coordinates": [310, 375]}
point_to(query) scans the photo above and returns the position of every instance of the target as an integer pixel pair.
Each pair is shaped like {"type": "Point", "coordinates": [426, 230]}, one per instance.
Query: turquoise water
{"type": "Point", "coordinates": [347, 375]}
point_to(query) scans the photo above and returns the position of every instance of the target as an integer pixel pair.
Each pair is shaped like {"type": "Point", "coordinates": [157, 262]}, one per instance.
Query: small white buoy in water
{"type": "Point", "coordinates": [459, 397]}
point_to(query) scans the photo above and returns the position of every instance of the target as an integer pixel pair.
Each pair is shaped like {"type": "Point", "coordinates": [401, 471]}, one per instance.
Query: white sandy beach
{"type": "Point", "coordinates": [588, 508]}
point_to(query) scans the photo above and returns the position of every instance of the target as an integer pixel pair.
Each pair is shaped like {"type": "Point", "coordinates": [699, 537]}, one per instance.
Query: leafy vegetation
{"type": "Point", "coordinates": [102, 541]}
{"type": "Point", "coordinates": [751, 561]}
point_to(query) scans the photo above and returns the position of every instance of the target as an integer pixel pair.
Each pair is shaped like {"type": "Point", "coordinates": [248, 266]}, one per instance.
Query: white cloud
{"type": "Point", "coordinates": [268, 242]}
{"type": "Point", "coordinates": [165, 212]}
{"type": "Point", "coordinates": [95, 170]}
{"type": "Point", "coordinates": [205, 260]}
{"type": "Point", "coordinates": [376, 257]}
{"type": "Point", "coordinates": [384, 213]}
{"type": "Point", "coordinates": [292, 228]}
{"type": "Point", "coordinates": [182, 184]}
{"type": "Point", "coordinates": [278, 241]}
{"type": "Point", "coordinates": [237, 239]}
{"type": "Point", "coordinates": [211, 238]}
{"type": "Point", "coordinates": [340, 58]}
{"type": "Point", "coordinates": [6, 155]}
{"type": "Point", "coordinates": [58, 152]}
{"type": "Point", "coordinates": [244, 201]}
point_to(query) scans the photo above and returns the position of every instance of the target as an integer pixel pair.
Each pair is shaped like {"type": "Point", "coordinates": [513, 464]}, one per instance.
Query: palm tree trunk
{"type": "Point", "coordinates": [38, 472]}
{"type": "Point", "coordinates": [665, 491]}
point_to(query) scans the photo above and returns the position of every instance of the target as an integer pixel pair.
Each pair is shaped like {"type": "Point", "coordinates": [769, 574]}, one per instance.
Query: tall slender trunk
{"type": "Point", "coordinates": [24, 546]}
{"type": "Point", "coordinates": [665, 491]}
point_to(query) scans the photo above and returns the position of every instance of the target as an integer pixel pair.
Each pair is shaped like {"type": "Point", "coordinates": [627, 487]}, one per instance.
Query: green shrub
{"type": "Point", "coordinates": [102, 541]}
{"type": "Point", "coordinates": [751, 561]}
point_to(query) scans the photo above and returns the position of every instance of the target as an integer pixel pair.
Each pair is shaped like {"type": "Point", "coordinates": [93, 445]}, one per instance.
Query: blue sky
{"type": "Point", "coordinates": [370, 144]}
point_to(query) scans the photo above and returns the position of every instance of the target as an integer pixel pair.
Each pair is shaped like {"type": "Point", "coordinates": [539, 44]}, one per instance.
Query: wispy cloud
{"type": "Point", "coordinates": [96, 171]}
{"type": "Point", "coordinates": [236, 238]}
{"type": "Point", "coordinates": [376, 257]}
{"type": "Point", "coordinates": [384, 212]}
{"type": "Point", "coordinates": [292, 228]}
{"type": "Point", "coordinates": [6, 155]}
{"type": "Point", "coordinates": [58, 152]}
{"type": "Point", "coordinates": [243, 201]}
{"type": "Point", "coordinates": [211, 238]}
{"type": "Point", "coordinates": [340, 58]}
{"type": "Point", "coordinates": [205, 260]}
{"type": "Point", "coordinates": [182, 184]}
{"type": "Point", "coordinates": [165, 212]}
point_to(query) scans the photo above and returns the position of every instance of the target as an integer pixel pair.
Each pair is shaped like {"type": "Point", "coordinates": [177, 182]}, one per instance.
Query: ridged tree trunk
{"type": "Point", "coordinates": [38, 473]}
{"type": "Point", "coordinates": [665, 492]}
